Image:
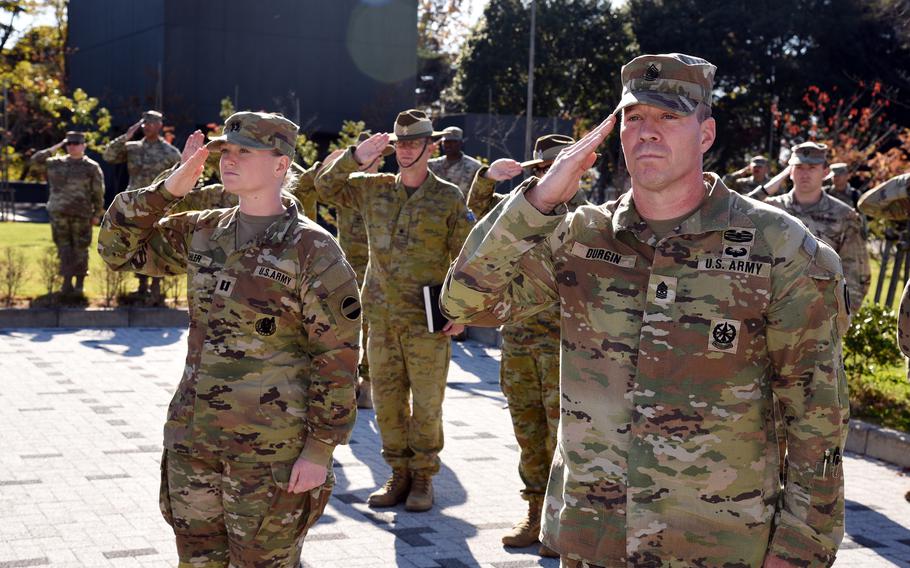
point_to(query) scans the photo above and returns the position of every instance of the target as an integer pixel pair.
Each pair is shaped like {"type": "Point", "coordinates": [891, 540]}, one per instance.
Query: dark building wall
{"type": "Point", "coordinates": [332, 60]}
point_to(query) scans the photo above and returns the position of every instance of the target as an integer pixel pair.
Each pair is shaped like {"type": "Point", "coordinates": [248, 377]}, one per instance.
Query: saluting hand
{"type": "Point", "coordinates": [185, 177]}
{"type": "Point", "coordinates": [194, 141]}
{"type": "Point", "coordinates": [503, 169]}
{"type": "Point", "coordinates": [561, 181]}
{"type": "Point", "coordinates": [371, 148]}
{"type": "Point", "coordinates": [132, 129]}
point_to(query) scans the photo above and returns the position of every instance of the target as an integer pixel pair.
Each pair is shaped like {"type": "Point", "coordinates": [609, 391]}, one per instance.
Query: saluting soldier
{"type": "Point", "coordinates": [75, 204]}
{"type": "Point", "coordinates": [268, 388]}
{"type": "Point", "coordinates": [758, 174]}
{"type": "Point", "coordinates": [454, 166]}
{"type": "Point", "coordinates": [416, 224]}
{"type": "Point", "coordinates": [672, 345]}
{"type": "Point", "coordinates": [145, 159]}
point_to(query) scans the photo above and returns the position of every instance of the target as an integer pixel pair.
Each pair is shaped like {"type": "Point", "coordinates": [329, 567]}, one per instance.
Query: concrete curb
{"type": "Point", "coordinates": [884, 444]}
{"type": "Point", "coordinates": [93, 318]}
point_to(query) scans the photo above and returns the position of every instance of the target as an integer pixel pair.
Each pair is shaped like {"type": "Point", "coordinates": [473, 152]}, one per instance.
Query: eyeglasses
{"type": "Point", "coordinates": [411, 144]}
{"type": "Point", "coordinates": [75, 143]}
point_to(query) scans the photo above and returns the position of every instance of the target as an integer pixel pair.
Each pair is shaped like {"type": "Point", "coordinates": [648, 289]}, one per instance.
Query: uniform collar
{"type": "Point", "coordinates": [275, 232]}
{"type": "Point", "coordinates": [428, 184]}
{"type": "Point", "coordinates": [822, 204]}
{"type": "Point", "coordinates": [712, 215]}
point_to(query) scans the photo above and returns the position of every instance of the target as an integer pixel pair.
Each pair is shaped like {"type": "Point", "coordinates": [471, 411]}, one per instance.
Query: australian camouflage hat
{"type": "Point", "coordinates": [412, 124]}
{"type": "Point", "coordinates": [671, 81]}
{"type": "Point", "coordinates": [259, 130]}
{"type": "Point", "coordinates": [75, 137]}
{"type": "Point", "coordinates": [808, 153]}
{"type": "Point", "coordinates": [546, 148]}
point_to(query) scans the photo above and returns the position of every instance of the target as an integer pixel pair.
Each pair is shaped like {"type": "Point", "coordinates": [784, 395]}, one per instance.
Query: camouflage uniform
{"type": "Point", "coordinates": [460, 173]}
{"type": "Point", "coordinates": [269, 376]}
{"type": "Point", "coordinates": [352, 237]}
{"type": "Point", "coordinates": [144, 159]}
{"type": "Point", "coordinates": [411, 242]}
{"type": "Point", "coordinates": [744, 185]}
{"type": "Point", "coordinates": [842, 229]}
{"type": "Point", "coordinates": [888, 200]}
{"type": "Point", "coordinates": [76, 197]}
{"type": "Point", "coordinates": [529, 371]}
{"type": "Point", "coordinates": [671, 349]}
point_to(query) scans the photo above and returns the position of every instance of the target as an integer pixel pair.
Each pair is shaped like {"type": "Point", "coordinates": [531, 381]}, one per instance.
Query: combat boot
{"type": "Point", "coordinates": [547, 552]}
{"type": "Point", "coordinates": [393, 492]}
{"type": "Point", "coordinates": [420, 498]}
{"type": "Point", "coordinates": [526, 532]}
{"type": "Point", "coordinates": [67, 285]}
{"type": "Point", "coordinates": [80, 284]}
{"type": "Point", "coordinates": [365, 397]}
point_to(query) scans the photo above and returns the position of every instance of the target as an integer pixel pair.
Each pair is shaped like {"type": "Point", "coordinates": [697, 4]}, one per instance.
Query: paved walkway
{"type": "Point", "coordinates": [80, 428]}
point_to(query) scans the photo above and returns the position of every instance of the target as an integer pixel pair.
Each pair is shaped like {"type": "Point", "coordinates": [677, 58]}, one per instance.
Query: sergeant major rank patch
{"type": "Point", "coordinates": [723, 335]}
{"type": "Point", "coordinates": [662, 289]}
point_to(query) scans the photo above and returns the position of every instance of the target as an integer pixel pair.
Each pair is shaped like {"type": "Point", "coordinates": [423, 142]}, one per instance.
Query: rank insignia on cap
{"type": "Point", "coordinates": [266, 325]}
{"type": "Point", "coordinates": [235, 126]}
{"type": "Point", "coordinates": [350, 308]}
{"type": "Point", "coordinates": [652, 73]}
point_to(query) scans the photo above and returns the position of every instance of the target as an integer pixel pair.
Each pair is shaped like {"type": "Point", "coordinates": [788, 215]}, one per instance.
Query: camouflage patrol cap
{"type": "Point", "coordinates": [758, 161]}
{"type": "Point", "coordinates": [810, 153]}
{"type": "Point", "coordinates": [453, 133]}
{"type": "Point", "coordinates": [671, 81]}
{"type": "Point", "coordinates": [152, 116]}
{"type": "Point", "coordinates": [412, 124]}
{"type": "Point", "coordinates": [386, 152]}
{"type": "Point", "coordinates": [838, 168]}
{"type": "Point", "coordinates": [75, 137]}
{"type": "Point", "coordinates": [546, 148]}
{"type": "Point", "coordinates": [259, 130]}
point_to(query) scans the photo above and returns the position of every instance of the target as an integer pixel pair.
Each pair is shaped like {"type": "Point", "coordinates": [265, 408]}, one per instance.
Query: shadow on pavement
{"type": "Point", "coordinates": [868, 528]}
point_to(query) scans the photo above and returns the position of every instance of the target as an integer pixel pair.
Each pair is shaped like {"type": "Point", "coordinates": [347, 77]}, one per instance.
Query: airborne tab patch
{"type": "Point", "coordinates": [270, 273]}
{"type": "Point", "coordinates": [740, 266]}
{"type": "Point", "coordinates": [603, 255]}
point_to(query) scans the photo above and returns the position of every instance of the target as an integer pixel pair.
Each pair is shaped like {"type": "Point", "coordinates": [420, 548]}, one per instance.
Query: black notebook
{"type": "Point", "coordinates": [435, 320]}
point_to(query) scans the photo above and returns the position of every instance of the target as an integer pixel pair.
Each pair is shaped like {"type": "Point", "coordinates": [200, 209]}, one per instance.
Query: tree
{"type": "Point", "coordinates": [440, 30]}
{"type": "Point", "coordinates": [769, 54]}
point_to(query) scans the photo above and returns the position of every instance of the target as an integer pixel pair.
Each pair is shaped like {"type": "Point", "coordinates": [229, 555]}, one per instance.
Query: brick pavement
{"type": "Point", "coordinates": [80, 424]}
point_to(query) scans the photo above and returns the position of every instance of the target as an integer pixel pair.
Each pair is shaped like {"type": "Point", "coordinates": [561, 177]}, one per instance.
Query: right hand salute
{"type": "Point", "coordinates": [503, 169]}
{"type": "Point", "coordinates": [132, 129]}
{"type": "Point", "coordinates": [184, 178]}
{"type": "Point", "coordinates": [194, 141]}
{"type": "Point", "coordinates": [371, 148]}
{"type": "Point", "coordinates": [561, 181]}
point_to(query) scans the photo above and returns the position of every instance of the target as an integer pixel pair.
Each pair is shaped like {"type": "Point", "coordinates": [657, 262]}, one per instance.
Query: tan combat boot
{"type": "Point", "coordinates": [420, 498]}
{"type": "Point", "coordinates": [547, 552]}
{"type": "Point", "coordinates": [526, 531]}
{"type": "Point", "coordinates": [393, 492]}
{"type": "Point", "coordinates": [365, 397]}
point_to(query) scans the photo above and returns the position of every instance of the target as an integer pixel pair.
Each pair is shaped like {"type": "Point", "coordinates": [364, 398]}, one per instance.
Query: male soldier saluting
{"type": "Point", "coordinates": [828, 218]}
{"type": "Point", "coordinates": [529, 370]}
{"type": "Point", "coordinates": [268, 389]}
{"type": "Point", "coordinates": [415, 224]}
{"type": "Point", "coordinates": [145, 159]}
{"type": "Point", "coordinates": [671, 348]}
{"type": "Point", "coordinates": [75, 204]}
{"type": "Point", "coordinates": [758, 174]}
{"type": "Point", "coordinates": [454, 166]}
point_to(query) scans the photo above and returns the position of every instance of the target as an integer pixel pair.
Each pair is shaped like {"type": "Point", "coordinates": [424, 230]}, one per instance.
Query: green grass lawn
{"type": "Point", "coordinates": [33, 239]}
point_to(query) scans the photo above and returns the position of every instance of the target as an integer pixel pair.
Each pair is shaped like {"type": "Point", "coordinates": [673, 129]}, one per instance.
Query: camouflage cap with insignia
{"type": "Point", "coordinates": [152, 116]}
{"type": "Point", "coordinates": [838, 168]}
{"type": "Point", "coordinates": [810, 153]}
{"type": "Point", "coordinates": [758, 161]}
{"type": "Point", "coordinates": [412, 124]}
{"type": "Point", "coordinates": [386, 152]}
{"type": "Point", "coordinates": [453, 133]}
{"type": "Point", "coordinates": [671, 81]}
{"type": "Point", "coordinates": [546, 148]}
{"type": "Point", "coordinates": [259, 130]}
{"type": "Point", "coordinates": [75, 137]}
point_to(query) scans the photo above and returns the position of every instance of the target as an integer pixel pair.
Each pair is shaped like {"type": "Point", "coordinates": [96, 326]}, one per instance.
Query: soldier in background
{"type": "Point", "coordinates": [758, 174]}
{"type": "Point", "coordinates": [839, 186]}
{"type": "Point", "coordinates": [672, 346]}
{"type": "Point", "coordinates": [529, 369]}
{"type": "Point", "coordinates": [268, 388]}
{"type": "Point", "coordinates": [888, 200]}
{"type": "Point", "coordinates": [416, 224]}
{"type": "Point", "coordinates": [75, 204]}
{"type": "Point", "coordinates": [829, 219]}
{"type": "Point", "coordinates": [454, 166]}
{"type": "Point", "coordinates": [145, 159]}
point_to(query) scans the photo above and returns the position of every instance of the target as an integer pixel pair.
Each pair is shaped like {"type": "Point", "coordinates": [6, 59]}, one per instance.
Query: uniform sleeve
{"type": "Point", "coordinates": [903, 322]}
{"type": "Point", "coordinates": [336, 184]}
{"type": "Point", "coordinates": [136, 236]}
{"type": "Point", "coordinates": [305, 191]}
{"type": "Point", "coordinates": [855, 260]}
{"type": "Point", "coordinates": [805, 322]}
{"type": "Point", "coordinates": [98, 190]}
{"type": "Point", "coordinates": [482, 195]}
{"type": "Point", "coordinates": [175, 154]}
{"type": "Point", "coordinates": [505, 270]}
{"type": "Point", "coordinates": [166, 174]}
{"type": "Point", "coordinates": [331, 320]}
{"type": "Point", "coordinates": [40, 157]}
{"type": "Point", "coordinates": [887, 200]}
{"type": "Point", "coordinates": [115, 152]}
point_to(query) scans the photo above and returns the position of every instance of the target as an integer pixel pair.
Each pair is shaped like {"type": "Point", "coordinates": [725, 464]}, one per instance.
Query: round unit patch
{"type": "Point", "coordinates": [350, 308]}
